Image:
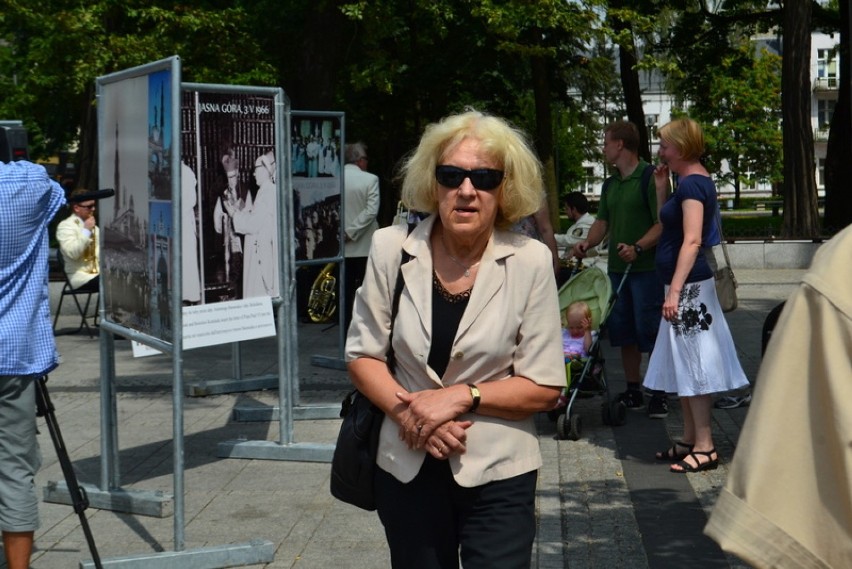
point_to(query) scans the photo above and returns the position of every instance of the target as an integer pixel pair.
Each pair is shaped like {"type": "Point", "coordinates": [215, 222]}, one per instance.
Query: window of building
{"type": "Point", "coordinates": [820, 173]}
{"type": "Point", "coordinates": [827, 68]}
{"type": "Point", "coordinates": [825, 110]}
{"type": "Point", "coordinates": [589, 181]}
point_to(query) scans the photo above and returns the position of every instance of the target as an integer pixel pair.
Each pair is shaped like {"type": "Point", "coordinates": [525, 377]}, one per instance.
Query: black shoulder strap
{"type": "Point", "coordinates": [397, 292]}
{"type": "Point", "coordinates": [646, 178]}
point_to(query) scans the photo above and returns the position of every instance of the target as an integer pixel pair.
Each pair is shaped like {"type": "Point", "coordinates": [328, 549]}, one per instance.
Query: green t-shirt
{"type": "Point", "coordinates": [629, 216]}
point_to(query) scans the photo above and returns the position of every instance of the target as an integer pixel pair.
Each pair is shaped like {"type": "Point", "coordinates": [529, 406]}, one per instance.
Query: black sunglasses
{"type": "Point", "coordinates": [481, 178]}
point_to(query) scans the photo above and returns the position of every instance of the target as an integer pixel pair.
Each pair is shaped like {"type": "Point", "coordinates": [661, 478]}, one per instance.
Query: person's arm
{"type": "Point", "coordinates": [367, 215]}
{"type": "Point", "coordinates": [545, 229]}
{"type": "Point", "coordinates": [597, 232]}
{"type": "Point", "coordinates": [72, 239]}
{"type": "Point", "coordinates": [662, 186]}
{"type": "Point", "coordinates": [627, 251]}
{"type": "Point", "coordinates": [538, 363]}
{"type": "Point", "coordinates": [693, 214]}
{"type": "Point", "coordinates": [578, 232]}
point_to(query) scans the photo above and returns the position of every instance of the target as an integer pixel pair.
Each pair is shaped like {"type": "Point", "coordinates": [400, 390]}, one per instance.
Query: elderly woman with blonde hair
{"type": "Point", "coordinates": [476, 345]}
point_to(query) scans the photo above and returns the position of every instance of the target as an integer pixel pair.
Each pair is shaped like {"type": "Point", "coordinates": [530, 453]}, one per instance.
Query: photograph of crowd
{"type": "Point", "coordinates": [316, 157]}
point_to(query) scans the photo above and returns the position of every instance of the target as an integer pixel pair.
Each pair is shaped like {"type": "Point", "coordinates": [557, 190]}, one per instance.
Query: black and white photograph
{"type": "Point", "coordinates": [316, 157]}
{"type": "Point", "coordinates": [228, 144]}
{"type": "Point", "coordinates": [136, 155]}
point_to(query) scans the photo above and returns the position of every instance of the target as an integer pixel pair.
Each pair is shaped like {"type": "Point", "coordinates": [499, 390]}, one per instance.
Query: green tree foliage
{"type": "Point", "coordinates": [738, 101]}
{"type": "Point", "coordinates": [53, 50]}
{"type": "Point", "coordinates": [439, 57]}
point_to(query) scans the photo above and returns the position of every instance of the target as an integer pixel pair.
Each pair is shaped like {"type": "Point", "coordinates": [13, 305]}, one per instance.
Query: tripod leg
{"type": "Point", "coordinates": [45, 409]}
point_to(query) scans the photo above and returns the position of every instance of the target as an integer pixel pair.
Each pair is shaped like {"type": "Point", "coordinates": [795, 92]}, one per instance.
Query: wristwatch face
{"type": "Point", "coordinates": [638, 249]}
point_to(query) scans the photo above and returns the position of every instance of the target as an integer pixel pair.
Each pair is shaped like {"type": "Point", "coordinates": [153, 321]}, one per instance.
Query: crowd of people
{"type": "Point", "coordinates": [314, 156]}
{"type": "Point", "coordinates": [476, 345]}
{"type": "Point", "coordinates": [448, 395]}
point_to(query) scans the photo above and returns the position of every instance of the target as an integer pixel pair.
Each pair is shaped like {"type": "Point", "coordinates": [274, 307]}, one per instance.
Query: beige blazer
{"type": "Point", "coordinates": [360, 208]}
{"type": "Point", "coordinates": [510, 327]}
{"type": "Point", "coordinates": [787, 501]}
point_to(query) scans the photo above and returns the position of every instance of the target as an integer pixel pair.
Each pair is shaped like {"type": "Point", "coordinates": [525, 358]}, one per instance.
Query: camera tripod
{"type": "Point", "coordinates": [79, 500]}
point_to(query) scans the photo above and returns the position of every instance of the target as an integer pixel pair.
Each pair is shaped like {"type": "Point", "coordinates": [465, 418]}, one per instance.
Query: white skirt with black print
{"type": "Point", "coordinates": [695, 354]}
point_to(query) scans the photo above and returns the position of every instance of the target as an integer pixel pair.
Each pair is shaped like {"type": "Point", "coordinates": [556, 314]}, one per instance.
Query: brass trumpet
{"type": "Point", "coordinates": [322, 302]}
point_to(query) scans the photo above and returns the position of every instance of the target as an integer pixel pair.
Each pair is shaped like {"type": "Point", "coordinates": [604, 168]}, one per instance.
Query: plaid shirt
{"type": "Point", "coordinates": [28, 201]}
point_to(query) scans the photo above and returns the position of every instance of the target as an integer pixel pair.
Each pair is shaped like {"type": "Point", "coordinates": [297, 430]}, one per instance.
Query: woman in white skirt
{"type": "Point", "coordinates": [694, 355]}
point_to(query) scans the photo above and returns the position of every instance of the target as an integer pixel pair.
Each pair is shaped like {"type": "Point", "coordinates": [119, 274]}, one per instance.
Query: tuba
{"type": "Point", "coordinates": [322, 302]}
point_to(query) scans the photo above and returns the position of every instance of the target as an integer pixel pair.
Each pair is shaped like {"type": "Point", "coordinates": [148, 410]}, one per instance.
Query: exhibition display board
{"type": "Point", "coordinates": [199, 233]}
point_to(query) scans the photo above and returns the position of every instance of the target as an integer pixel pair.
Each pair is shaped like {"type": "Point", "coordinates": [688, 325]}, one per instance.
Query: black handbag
{"type": "Point", "coordinates": [353, 465]}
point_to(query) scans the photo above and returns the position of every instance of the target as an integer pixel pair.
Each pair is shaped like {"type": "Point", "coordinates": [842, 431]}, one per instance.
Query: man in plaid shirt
{"type": "Point", "coordinates": [28, 201]}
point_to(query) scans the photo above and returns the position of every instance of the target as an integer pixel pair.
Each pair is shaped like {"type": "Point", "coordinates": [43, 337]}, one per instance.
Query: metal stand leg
{"type": "Point", "coordinates": [44, 408]}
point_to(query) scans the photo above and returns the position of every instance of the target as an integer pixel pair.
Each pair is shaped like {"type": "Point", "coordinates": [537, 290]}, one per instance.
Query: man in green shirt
{"type": "Point", "coordinates": [628, 212]}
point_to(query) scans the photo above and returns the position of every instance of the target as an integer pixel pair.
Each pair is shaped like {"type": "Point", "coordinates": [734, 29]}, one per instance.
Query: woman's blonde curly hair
{"type": "Point", "coordinates": [522, 191]}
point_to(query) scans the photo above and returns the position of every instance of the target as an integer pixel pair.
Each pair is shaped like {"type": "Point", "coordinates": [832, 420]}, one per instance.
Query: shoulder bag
{"type": "Point", "coordinates": [726, 282]}
{"type": "Point", "coordinates": [353, 465]}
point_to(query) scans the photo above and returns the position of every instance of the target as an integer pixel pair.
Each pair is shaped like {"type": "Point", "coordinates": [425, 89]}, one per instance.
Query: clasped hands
{"type": "Point", "coordinates": [428, 420]}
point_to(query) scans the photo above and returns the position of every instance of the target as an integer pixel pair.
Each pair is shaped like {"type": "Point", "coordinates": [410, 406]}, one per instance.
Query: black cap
{"type": "Point", "coordinates": [92, 195]}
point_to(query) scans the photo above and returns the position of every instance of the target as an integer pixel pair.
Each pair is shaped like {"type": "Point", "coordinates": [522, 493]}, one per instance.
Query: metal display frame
{"type": "Point", "coordinates": [297, 411]}
{"type": "Point", "coordinates": [110, 495]}
{"type": "Point", "coordinates": [291, 399]}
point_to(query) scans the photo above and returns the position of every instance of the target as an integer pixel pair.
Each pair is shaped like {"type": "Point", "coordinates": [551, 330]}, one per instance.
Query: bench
{"type": "Point", "coordinates": [776, 206]}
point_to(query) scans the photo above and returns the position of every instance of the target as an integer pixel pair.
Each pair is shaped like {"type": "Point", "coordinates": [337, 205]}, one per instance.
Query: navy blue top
{"type": "Point", "coordinates": [692, 187]}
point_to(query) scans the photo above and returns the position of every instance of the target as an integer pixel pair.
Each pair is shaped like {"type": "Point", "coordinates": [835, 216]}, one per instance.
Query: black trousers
{"type": "Point", "coordinates": [355, 269]}
{"type": "Point", "coordinates": [432, 520]}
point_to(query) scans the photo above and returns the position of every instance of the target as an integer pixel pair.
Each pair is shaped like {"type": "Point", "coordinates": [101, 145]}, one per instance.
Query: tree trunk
{"type": "Point", "coordinates": [801, 218]}
{"type": "Point", "coordinates": [838, 158]}
{"type": "Point", "coordinates": [87, 153]}
{"type": "Point", "coordinates": [544, 134]}
{"type": "Point", "coordinates": [630, 84]}
{"type": "Point", "coordinates": [735, 169]}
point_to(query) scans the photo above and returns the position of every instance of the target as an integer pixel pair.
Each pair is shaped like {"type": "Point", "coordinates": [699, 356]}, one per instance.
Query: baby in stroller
{"type": "Point", "coordinates": [576, 343]}
{"type": "Point", "coordinates": [577, 334]}
{"type": "Point", "coordinates": [585, 301]}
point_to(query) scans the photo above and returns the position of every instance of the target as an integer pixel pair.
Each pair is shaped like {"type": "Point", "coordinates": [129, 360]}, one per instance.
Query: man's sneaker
{"type": "Point", "coordinates": [658, 407]}
{"type": "Point", "coordinates": [632, 399]}
{"type": "Point", "coordinates": [733, 401]}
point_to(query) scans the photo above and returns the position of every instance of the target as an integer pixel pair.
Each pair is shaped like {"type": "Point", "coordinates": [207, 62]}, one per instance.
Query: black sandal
{"type": "Point", "coordinates": [672, 455]}
{"type": "Point", "coordinates": [685, 467]}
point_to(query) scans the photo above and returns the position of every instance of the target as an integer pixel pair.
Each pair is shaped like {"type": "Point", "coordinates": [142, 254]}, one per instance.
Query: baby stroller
{"type": "Point", "coordinates": [585, 376]}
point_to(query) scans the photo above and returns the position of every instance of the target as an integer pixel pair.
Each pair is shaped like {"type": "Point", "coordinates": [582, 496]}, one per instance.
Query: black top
{"type": "Point", "coordinates": [447, 312]}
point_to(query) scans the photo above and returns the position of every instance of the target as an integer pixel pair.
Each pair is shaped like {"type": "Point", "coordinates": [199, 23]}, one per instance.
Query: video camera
{"type": "Point", "coordinates": [13, 141]}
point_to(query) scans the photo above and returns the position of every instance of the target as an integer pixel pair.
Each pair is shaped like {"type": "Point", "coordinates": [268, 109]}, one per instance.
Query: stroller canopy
{"type": "Point", "coordinates": [593, 287]}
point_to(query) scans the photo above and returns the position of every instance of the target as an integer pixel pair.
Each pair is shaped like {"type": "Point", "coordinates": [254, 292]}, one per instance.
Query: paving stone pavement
{"type": "Point", "coordinates": [597, 497]}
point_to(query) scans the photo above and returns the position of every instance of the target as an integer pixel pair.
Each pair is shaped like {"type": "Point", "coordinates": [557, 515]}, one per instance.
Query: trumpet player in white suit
{"type": "Point", "coordinates": [78, 239]}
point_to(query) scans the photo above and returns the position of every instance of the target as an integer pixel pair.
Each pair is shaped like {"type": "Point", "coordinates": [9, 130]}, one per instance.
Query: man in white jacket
{"type": "Point", "coordinates": [361, 206]}
{"type": "Point", "coordinates": [77, 236]}
{"type": "Point", "coordinates": [577, 209]}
